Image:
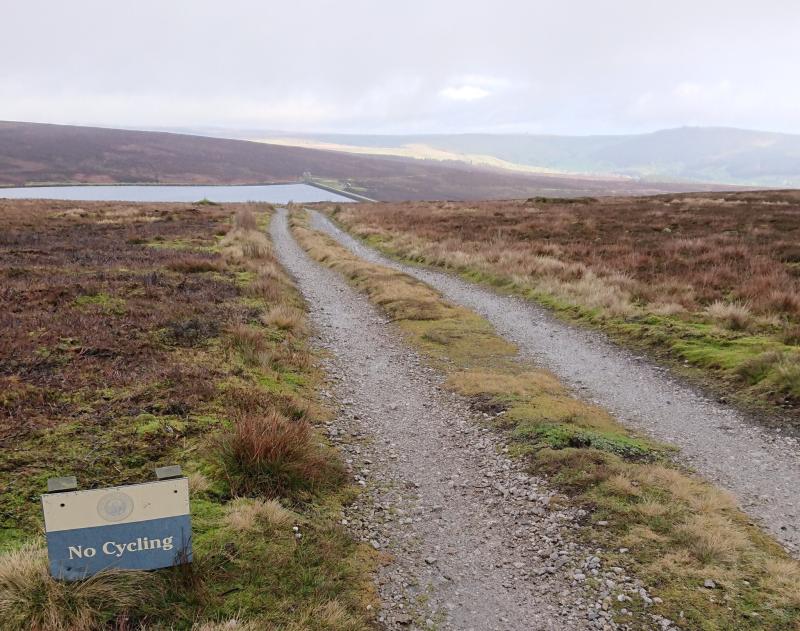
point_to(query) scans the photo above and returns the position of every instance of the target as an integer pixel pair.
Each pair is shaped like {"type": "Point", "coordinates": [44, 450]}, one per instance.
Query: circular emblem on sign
{"type": "Point", "coordinates": [115, 506]}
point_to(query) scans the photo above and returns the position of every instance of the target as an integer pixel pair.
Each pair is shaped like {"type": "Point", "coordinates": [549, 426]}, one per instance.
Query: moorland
{"type": "Point", "coordinates": [134, 336]}
{"type": "Point", "coordinates": [706, 281]}
{"type": "Point", "coordinates": [33, 153]}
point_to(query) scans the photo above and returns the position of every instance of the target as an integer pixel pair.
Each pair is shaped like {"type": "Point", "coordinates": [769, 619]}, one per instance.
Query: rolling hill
{"type": "Point", "coordinates": [687, 154]}
{"type": "Point", "coordinates": [36, 153]}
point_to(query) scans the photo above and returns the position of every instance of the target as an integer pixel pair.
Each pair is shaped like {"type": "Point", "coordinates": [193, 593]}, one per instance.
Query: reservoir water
{"type": "Point", "coordinates": [271, 193]}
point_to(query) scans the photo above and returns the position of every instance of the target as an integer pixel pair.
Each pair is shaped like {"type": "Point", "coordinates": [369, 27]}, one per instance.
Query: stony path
{"type": "Point", "coordinates": [759, 465]}
{"type": "Point", "coordinates": [474, 540]}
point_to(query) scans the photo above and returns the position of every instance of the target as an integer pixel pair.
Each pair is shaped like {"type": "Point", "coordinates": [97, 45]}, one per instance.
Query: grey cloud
{"type": "Point", "coordinates": [415, 66]}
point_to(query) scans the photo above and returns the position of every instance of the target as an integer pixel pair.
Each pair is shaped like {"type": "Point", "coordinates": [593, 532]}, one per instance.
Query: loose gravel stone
{"type": "Point", "coordinates": [760, 465]}
{"type": "Point", "coordinates": [474, 541]}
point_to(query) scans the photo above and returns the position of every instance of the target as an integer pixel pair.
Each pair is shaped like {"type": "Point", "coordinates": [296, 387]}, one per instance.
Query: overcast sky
{"type": "Point", "coordinates": [406, 66]}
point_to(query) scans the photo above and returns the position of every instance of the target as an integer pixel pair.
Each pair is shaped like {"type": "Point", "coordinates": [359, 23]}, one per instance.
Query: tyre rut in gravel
{"type": "Point", "coordinates": [474, 543]}
{"type": "Point", "coordinates": [761, 466]}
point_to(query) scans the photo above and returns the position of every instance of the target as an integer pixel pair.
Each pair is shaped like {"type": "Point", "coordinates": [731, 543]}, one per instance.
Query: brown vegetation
{"type": "Point", "coordinates": [31, 599]}
{"type": "Point", "coordinates": [272, 456]}
{"type": "Point", "coordinates": [713, 279]}
{"type": "Point", "coordinates": [133, 336]}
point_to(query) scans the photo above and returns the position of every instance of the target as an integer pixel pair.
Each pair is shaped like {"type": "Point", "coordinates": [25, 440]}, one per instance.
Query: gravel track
{"type": "Point", "coordinates": [760, 466]}
{"type": "Point", "coordinates": [474, 541]}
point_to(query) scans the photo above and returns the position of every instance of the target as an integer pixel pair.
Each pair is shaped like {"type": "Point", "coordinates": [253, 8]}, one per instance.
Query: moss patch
{"type": "Point", "coordinates": [103, 302]}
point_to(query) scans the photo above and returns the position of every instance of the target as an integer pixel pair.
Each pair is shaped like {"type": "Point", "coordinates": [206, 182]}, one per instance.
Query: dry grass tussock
{"type": "Point", "coordinates": [286, 317]}
{"type": "Point", "coordinates": [244, 241]}
{"type": "Point", "coordinates": [733, 315]}
{"type": "Point", "coordinates": [652, 508]}
{"type": "Point", "coordinates": [271, 269]}
{"type": "Point", "coordinates": [198, 483]}
{"type": "Point", "coordinates": [240, 246]}
{"type": "Point", "coordinates": [591, 291]}
{"type": "Point", "coordinates": [251, 344]}
{"type": "Point", "coordinates": [713, 539]}
{"type": "Point", "coordinates": [679, 562]}
{"type": "Point", "coordinates": [623, 485]}
{"type": "Point", "coordinates": [530, 383]}
{"type": "Point", "coordinates": [404, 300]}
{"type": "Point", "coordinates": [328, 616]}
{"type": "Point", "coordinates": [696, 494]}
{"type": "Point", "coordinates": [271, 456]}
{"type": "Point", "coordinates": [785, 577]}
{"type": "Point", "coordinates": [265, 288]}
{"type": "Point", "coordinates": [116, 216]}
{"type": "Point", "coordinates": [234, 624]}
{"type": "Point", "coordinates": [784, 368]}
{"type": "Point", "coordinates": [667, 308]}
{"type": "Point", "coordinates": [245, 220]}
{"type": "Point", "coordinates": [31, 599]}
{"type": "Point", "coordinates": [192, 264]}
{"type": "Point", "coordinates": [245, 514]}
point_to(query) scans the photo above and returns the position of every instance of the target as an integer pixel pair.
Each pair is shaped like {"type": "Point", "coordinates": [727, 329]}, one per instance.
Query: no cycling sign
{"type": "Point", "coordinates": [135, 527]}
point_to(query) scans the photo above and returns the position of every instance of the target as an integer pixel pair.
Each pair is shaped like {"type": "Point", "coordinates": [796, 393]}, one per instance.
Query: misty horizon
{"type": "Point", "coordinates": [201, 130]}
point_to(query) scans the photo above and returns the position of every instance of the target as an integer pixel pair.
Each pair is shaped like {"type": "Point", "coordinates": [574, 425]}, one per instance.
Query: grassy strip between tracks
{"type": "Point", "coordinates": [140, 336]}
{"type": "Point", "coordinates": [671, 529]}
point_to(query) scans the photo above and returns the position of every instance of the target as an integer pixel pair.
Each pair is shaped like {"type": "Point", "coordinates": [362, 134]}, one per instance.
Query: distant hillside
{"type": "Point", "coordinates": [39, 153]}
{"type": "Point", "coordinates": [689, 154]}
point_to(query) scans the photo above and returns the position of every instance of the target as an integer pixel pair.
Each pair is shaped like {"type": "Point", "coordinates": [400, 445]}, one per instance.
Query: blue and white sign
{"type": "Point", "coordinates": [135, 527]}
